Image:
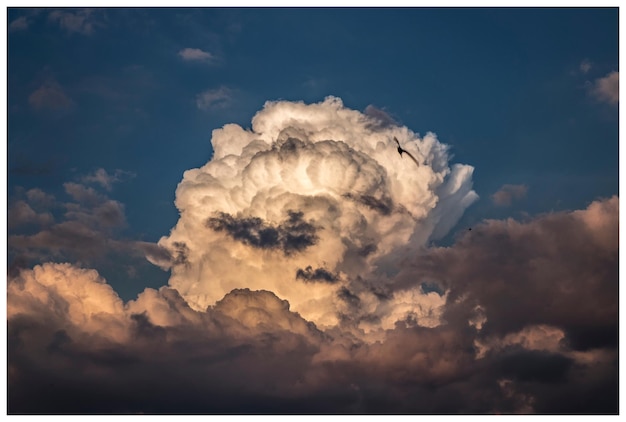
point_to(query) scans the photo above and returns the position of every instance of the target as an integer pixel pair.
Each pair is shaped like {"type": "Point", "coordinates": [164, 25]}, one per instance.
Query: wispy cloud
{"type": "Point", "coordinates": [104, 179]}
{"type": "Point", "coordinates": [50, 95]}
{"type": "Point", "coordinates": [19, 24]}
{"type": "Point", "coordinates": [585, 66]}
{"type": "Point", "coordinates": [507, 193]}
{"type": "Point", "coordinates": [606, 89]}
{"type": "Point", "coordinates": [195, 54]}
{"type": "Point", "coordinates": [82, 21]}
{"type": "Point", "coordinates": [214, 98]}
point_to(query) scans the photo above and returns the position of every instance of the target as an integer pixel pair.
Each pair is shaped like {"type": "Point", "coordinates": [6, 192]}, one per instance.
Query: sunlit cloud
{"type": "Point", "coordinates": [318, 186]}
{"type": "Point", "coordinates": [505, 196]}
{"type": "Point", "coordinates": [606, 89]}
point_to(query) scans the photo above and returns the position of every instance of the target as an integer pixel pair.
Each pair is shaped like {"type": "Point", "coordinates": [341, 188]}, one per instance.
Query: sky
{"type": "Point", "coordinates": [207, 211]}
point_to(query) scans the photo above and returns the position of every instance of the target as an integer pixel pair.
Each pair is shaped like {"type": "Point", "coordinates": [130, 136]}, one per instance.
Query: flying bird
{"type": "Point", "coordinates": [401, 150]}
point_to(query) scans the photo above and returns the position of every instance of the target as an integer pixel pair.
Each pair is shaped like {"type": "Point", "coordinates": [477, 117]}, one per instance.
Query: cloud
{"type": "Point", "coordinates": [19, 24]}
{"type": "Point", "coordinates": [319, 274]}
{"type": "Point", "coordinates": [558, 270]}
{"type": "Point", "coordinates": [381, 117]}
{"type": "Point", "coordinates": [214, 98]}
{"type": "Point", "coordinates": [39, 197]}
{"type": "Point", "coordinates": [318, 186]}
{"type": "Point", "coordinates": [20, 213]}
{"type": "Point", "coordinates": [82, 21]}
{"type": "Point", "coordinates": [585, 66]}
{"type": "Point", "coordinates": [606, 89]}
{"type": "Point", "coordinates": [507, 193]}
{"type": "Point", "coordinates": [105, 179]}
{"type": "Point", "coordinates": [195, 54]}
{"type": "Point", "coordinates": [86, 229]}
{"type": "Point", "coordinates": [70, 335]}
{"type": "Point", "coordinates": [302, 281]}
{"type": "Point", "coordinates": [50, 95]}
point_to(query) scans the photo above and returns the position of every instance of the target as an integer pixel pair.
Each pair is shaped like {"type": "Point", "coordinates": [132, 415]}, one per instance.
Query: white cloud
{"type": "Point", "coordinates": [318, 186]}
{"type": "Point", "coordinates": [214, 98]}
{"type": "Point", "coordinates": [195, 54]}
{"type": "Point", "coordinates": [607, 88]}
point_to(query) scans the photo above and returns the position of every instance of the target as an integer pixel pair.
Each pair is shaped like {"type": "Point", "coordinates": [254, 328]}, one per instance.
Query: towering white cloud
{"type": "Point", "coordinates": [315, 204]}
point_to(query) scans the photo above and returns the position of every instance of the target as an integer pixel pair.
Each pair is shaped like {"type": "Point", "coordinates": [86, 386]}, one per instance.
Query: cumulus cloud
{"type": "Point", "coordinates": [505, 196]}
{"type": "Point", "coordinates": [315, 186]}
{"type": "Point", "coordinates": [195, 54]}
{"type": "Point", "coordinates": [50, 95]}
{"type": "Point", "coordinates": [214, 98]}
{"type": "Point", "coordinates": [21, 213]}
{"type": "Point", "coordinates": [606, 89]}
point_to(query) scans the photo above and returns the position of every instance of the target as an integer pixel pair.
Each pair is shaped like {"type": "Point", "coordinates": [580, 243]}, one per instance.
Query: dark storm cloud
{"type": "Point", "coordinates": [292, 235]}
{"type": "Point", "coordinates": [533, 366]}
{"type": "Point", "coordinates": [560, 269]}
{"type": "Point", "coordinates": [319, 274]}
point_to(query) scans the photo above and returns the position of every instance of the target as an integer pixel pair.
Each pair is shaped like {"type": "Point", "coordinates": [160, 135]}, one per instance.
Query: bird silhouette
{"type": "Point", "coordinates": [401, 150]}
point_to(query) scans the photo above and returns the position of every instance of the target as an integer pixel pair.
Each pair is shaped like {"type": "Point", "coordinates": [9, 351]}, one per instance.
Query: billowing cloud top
{"type": "Point", "coordinates": [314, 203]}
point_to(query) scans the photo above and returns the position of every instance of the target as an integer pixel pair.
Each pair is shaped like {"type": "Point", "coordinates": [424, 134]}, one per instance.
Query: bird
{"type": "Point", "coordinates": [401, 150]}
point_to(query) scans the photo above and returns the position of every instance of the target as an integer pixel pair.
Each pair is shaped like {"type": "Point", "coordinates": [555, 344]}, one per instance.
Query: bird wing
{"type": "Point", "coordinates": [396, 139]}
{"type": "Point", "coordinates": [412, 158]}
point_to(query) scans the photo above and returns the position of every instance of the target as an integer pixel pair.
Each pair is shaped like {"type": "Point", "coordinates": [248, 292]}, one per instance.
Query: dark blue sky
{"type": "Point", "coordinates": [517, 93]}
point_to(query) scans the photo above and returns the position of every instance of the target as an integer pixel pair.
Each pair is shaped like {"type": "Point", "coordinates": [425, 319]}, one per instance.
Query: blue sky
{"type": "Point", "coordinates": [108, 108]}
